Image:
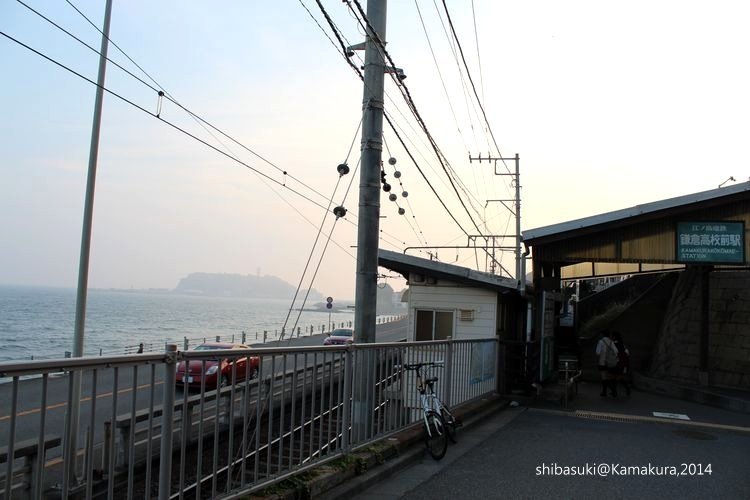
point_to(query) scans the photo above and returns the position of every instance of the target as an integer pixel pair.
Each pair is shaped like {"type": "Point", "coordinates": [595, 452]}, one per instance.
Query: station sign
{"type": "Point", "coordinates": [710, 242]}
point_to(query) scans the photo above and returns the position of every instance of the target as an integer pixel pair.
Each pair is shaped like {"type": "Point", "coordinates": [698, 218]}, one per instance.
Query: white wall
{"type": "Point", "coordinates": [447, 296]}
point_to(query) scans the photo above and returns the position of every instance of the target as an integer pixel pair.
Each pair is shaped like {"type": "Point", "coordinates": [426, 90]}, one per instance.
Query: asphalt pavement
{"type": "Point", "coordinates": [550, 452]}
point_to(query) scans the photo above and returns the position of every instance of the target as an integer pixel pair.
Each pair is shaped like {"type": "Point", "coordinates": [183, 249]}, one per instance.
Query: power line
{"type": "Point", "coordinates": [412, 105]}
{"type": "Point", "coordinates": [437, 67]}
{"type": "Point", "coordinates": [471, 80]}
{"type": "Point", "coordinates": [479, 57]}
{"type": "Point", "coordinates": [168, 96]}
{"type": "Point", "coordinates": [167, 122]}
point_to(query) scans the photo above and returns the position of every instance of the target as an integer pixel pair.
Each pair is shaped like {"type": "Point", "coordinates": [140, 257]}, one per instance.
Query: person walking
{"type": "Point", "coordinates": [623, 364]}
{"type": "Point", "coordinates": [606, 360]}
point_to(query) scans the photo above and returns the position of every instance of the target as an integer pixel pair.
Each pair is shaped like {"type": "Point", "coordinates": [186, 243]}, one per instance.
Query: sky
{"type": "Point", "coordinates": [608, 104]}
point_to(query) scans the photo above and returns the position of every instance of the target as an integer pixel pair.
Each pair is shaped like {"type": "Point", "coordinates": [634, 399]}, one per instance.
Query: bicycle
{"type": "Point", "coordinates": [439, 422]}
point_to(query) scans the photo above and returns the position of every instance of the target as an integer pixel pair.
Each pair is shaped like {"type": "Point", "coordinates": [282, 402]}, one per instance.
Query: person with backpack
{"type": "Point", "coordinates": [623, 364]}
{"type": "Point", "coordinates": [606, 360]}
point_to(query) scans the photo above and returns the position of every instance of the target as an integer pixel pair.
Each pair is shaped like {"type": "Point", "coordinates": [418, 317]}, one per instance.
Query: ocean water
{"type": "Point", "coordinates": [39, 322]}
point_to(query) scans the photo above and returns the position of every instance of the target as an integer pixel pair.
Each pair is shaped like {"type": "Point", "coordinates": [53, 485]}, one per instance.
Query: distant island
{"type": "Point", "coordinates": [237, 285]}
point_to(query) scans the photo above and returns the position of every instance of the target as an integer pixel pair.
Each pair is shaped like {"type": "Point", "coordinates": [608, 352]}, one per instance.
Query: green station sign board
{"type": "Point", "coordinates": [707, 242]}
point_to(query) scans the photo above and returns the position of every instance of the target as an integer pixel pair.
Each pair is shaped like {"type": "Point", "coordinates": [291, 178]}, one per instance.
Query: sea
{"type": "Point", "coordinates": [38, 322]}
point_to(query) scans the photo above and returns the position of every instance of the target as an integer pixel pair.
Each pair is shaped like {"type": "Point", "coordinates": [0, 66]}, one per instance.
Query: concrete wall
{"type": "Point", "coordinates": [447, 296]}
{"type": "Point", "coordinates": [677, 354]}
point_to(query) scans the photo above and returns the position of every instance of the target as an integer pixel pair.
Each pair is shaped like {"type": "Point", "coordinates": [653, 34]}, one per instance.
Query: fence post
{"type": "Point", "coordinates": [167, 419]}
{"type": "Point", "coordinates": [566, 385]}
{"type": "Point", "coordinates": [347, 398]}
{"type": "Point", "coordinates": [449, 374]}
{"type": "Point", "coordinates": [105, 451]}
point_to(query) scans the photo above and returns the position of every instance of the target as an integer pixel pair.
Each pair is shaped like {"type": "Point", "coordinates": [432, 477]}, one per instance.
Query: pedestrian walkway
{"type": "Point", "coordinates": [505, 455]}
{"type": "Point", "coordinates": [642, 403]}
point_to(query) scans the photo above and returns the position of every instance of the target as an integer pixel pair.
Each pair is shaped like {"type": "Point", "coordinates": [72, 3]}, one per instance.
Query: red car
{"type": "Point", "coordinates": [218, 370]}
{"type": "Point", "coordinates": [339, 336]}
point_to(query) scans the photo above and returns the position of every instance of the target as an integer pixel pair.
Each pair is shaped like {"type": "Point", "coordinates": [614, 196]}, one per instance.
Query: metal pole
{"type": "Point", "coordinates": [369, 207]}
{"type": "Point", "coordinates": [519, 277]}
{"type": "Point", "coordinates": [83, 264]}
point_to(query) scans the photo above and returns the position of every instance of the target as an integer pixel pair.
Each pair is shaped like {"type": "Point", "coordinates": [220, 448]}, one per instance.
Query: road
{"type": "Point", "coordinates": [30, 392]}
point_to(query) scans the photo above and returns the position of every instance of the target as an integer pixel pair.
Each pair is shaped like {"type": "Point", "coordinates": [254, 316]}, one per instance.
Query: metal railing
{"type": "Point", "coordinates": [252, 337]}
{"type": "Point", "coordinates": [278, 411]}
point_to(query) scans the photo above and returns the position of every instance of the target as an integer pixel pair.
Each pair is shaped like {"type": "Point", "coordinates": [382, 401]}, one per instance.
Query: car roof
{"type": "Point", "coordinates": [223, 345]}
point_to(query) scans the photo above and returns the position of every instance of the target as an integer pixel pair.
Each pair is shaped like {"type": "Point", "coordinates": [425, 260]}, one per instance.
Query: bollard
{"type": "Point", "coordinates": [185, 344]}
{"type": "Point", "coordinates": [265, 334]}
{"type": "Point", "coordinates": [244, 338]}
{"type": "Point", "coordinates": [218, 338]}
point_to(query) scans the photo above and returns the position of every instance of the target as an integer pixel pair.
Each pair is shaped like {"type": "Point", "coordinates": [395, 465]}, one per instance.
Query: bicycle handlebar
{"type": "Point", "coordinates": [417, 366]}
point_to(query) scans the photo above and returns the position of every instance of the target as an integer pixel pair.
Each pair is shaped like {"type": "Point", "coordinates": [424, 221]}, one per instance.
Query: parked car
{"type": "Point", "coordinates": [218, 370]}
{"type": "Point", "coordinates": [339, 336]}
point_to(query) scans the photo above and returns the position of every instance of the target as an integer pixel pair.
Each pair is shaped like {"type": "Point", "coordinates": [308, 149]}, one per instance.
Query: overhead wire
{"type": "Point", "coordinates": [343, 48]}
{"type": "Point", "coordinates": [479, 56]}
{"type": "Point", "coordinates": [201, 121]}
{"type": "Point", "coordinates": [154, 115]}
{"type": "Point", "coordinates": [447, 95]}
{"type": "Point", "coordinates": [440, 73]}
{"type": "Point", "coordinates": [440, 157]}
{"type": "Point", "coordinates": [178, 104]}
{"type": "Point", "coordinates": [471, 80]}
{"type": "Point", "coordinates": [412, 105]}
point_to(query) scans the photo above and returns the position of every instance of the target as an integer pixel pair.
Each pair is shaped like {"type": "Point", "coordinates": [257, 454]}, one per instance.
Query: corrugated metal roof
{"type": "Point", "coordinates": [403, 263]}
{"type": "Point", "coordinates": [635, 211]}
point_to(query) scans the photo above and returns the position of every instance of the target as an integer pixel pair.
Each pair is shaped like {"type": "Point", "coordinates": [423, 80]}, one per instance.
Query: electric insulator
{"type": "Point", "coordinates": [397, 174]}
{"type": "Point", "coordinates": [405, 194]}
{"type": "Point", "coordinates": [339, 212]}
{"type": "Point", "coordinates": [401, 211]}
{"type": "Point", "coordinates": [391, 161]}
{"type": "Point", "coordinates": [343, 169]}
{"type": "Point", "coordinates": [386, 187]}
{"type": "Point", "coordinates": [392, 197]}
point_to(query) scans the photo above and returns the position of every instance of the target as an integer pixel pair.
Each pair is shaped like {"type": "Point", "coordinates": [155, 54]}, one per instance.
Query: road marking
{"type": "Point", "coordinates": [678, 416]}
{"type": "Point", "coordinates": [623, 417]}
{"type": "Point", "coordinates": [83, 400]}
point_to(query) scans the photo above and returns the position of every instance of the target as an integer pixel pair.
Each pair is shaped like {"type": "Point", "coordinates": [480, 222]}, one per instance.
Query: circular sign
{"type": "Point", "coordinates": [329, 306]}
{"type": "Point", "coordinates": [329, 299]}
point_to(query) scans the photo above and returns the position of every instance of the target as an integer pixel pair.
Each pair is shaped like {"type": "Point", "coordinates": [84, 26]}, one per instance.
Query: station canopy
{"type": "Point", "coordinates": [706, 228]}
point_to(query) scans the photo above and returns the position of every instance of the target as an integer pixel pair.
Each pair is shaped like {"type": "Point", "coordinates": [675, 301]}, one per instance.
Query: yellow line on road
{"type": "Point", "coordinates": [83, 400]}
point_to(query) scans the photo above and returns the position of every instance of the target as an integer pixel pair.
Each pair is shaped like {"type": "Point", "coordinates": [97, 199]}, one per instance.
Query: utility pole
{"type": "Point", "coordinates": [516, 210]}
{"type": "Point", "coordinates": [368, 233]}
{"type": "Point", "coordinates": [83, 266]}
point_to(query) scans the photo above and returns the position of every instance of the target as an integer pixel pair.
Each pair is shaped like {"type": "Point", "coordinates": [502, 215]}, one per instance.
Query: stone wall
{"type": "Point", "coordinates": [677, 354]}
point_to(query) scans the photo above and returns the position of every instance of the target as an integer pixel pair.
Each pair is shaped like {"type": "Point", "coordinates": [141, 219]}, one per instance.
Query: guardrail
{"type": "Point", "coordinates": [140, 434]}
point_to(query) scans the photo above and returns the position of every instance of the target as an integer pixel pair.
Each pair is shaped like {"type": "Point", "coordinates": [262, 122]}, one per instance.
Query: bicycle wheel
{"type": "Point", "coordinates": [450, 424]}
{"type": "Point", "coordinates": [435, 435]}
